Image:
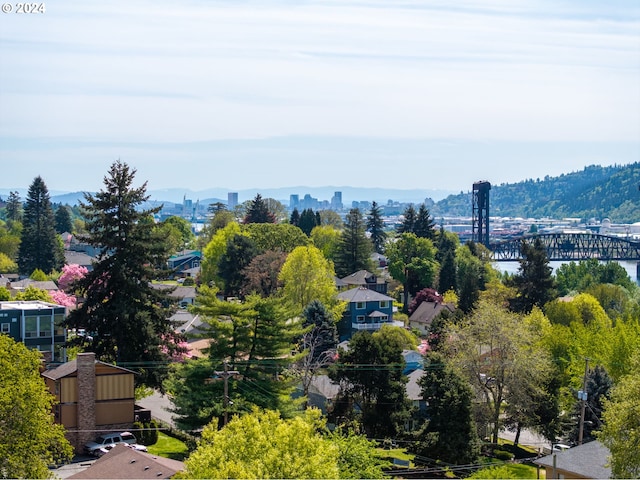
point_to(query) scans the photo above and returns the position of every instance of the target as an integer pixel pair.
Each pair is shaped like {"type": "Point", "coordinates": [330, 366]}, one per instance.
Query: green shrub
{"type": "Point", "coordinates": [502, 455]}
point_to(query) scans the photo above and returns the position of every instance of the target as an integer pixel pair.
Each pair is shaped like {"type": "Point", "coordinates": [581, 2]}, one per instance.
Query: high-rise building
{"type": "Point", "coordinates": [294, 201]}
{"type": "Point", "coordinates": [336, 201]}
{"type": "Point", "coordinates": [232, 200]}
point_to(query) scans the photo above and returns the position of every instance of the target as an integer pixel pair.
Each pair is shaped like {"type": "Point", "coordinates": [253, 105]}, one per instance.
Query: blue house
{"type": "Point", "coordinates": [184, 261]}
{"type": "Point", "coordinates": [38, 325]}
{"type": "Point", "coordinates": [367, 310]}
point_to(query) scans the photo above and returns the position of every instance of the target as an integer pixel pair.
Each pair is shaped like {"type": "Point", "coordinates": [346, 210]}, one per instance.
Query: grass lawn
{"type": "Point", "coordinates": [169, 447]}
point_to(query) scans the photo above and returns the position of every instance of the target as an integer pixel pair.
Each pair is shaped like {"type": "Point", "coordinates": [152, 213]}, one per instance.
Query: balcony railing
{"type": "Point", "coordinates": [368, 326]}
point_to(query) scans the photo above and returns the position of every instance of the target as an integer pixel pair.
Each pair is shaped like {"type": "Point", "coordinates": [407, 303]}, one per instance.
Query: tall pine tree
{"type": "Point", "coordinates": [424, 226]}
{"type": "Point", "coordinates": [534, 281]}
{"type": "Point", "coordinates": [40, 246]}
{"type": "Point", "coordinates": [128, 319]}
{"type": "Point", "coordinates": [14, 207]}
{"type": "Point", "coordinates": [258, 212]}
{"type": "Point", "coordinates": [354, 248]}
{"type": "Point", "coordinates": [375, 226]}
{"type": "Point", "coordinates": [409, 222]}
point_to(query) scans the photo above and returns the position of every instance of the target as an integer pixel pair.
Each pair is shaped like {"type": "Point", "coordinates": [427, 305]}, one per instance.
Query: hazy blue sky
{"type": "Point", "coordinates": [242, 94]}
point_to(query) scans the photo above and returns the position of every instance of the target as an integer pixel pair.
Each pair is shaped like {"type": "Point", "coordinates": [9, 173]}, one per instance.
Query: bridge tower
{"type": "Point", "coordinates": [481, 212]}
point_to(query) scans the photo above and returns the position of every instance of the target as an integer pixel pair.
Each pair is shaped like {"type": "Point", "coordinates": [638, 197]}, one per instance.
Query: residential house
{"type": "Point", "coordinates": [21, 285]}
{"type": "Point", "coordinates": [123, 462]}
{"type": "Point", "coordinates": [92, 397]}
{"type": "Point", "coordinates": [184, 261]}
{"type": "Point", "coordinates": [83, 259]}
{"type": "Point", "coordinates": [363, 278]}
{"type": "Point", "coordinates": [589, 460]}
{"type": "Point", "coordinates": [38, 325]}
{"type": "Point", "coordinates": [414, 394]}
{"type": "Point", "coordinates": [422, 317]}
{"type": "Point", "coordinates": [185, 296]}
{"type": "Point", "coordinates": [366, 310]}
{"type": "Point", "coordinates": [413, 360]}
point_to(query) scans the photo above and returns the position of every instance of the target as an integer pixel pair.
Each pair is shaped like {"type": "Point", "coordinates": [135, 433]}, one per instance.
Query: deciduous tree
{"type": "Point", "coordinates": [412, 262]}
{"type": "Point", "coordinates": [620, 433]}
{"type": "Point", "coordinates": [30, 439]}
{"type": "Point", "coordinates": [498, 353]}
{"type": "Point", "coordinates": [308, 276]}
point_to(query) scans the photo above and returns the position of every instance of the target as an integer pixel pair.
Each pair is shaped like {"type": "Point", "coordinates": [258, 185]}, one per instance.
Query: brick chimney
{"type": "Point", "coordinates": [86, 364]}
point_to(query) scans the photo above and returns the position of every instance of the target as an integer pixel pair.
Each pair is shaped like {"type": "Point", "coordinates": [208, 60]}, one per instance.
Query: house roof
{"type": "Point", "coordinates": [427, 311]}
{"type": "Point", "coordinates": [178, 292]}
{"type": "Point", "coordinates": [322, 385]}
{"type": "Point", "coordinates": [124, 462]}
{"type": "Point", "coordinates": [588, 460]}
{"type": "Point", "coordinates": [71, 368]}
{"type": "Point", "coordinates": [27, 282]}
{"type": "Point", "coordinates": [362, 277]}
{"type": "Point", "coordinates": [414, 391]}
{"type": "Point", "coordinates": [72, 257]}
{"type": "Point", "coordinates": [363, 294]}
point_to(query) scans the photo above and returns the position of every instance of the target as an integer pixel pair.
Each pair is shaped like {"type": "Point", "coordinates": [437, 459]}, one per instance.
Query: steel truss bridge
{"type": "Point", "coordinates": [570, 246]}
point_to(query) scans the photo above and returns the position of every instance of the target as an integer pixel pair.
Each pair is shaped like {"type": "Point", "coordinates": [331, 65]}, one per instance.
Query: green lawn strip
{"type": "Point", "coordinates": [169, 447]}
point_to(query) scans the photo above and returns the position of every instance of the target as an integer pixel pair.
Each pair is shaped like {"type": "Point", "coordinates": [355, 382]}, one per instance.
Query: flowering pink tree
{"type": "Point", "coordinates": [71, 273]}
{"type": "Point", "coordinates": [62, 298]}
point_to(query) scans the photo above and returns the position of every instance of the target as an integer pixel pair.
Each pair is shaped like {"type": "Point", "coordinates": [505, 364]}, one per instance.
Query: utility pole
{"type": "Point", "coordinates": [582, 395]}
{"type": "Point", "coordinates": [225, 374]}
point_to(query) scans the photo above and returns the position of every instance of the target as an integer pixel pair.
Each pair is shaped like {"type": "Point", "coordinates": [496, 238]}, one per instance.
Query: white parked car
{"type": "Point", "coordinates": [107, 440]}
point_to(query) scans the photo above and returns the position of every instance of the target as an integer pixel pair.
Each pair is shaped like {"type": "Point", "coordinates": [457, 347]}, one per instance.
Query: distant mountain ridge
{"type": "Point", "coordinates": [595, 192]}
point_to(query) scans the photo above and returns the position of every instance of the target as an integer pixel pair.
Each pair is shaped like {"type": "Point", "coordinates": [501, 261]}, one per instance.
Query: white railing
{"type": "Point", "coordinates": [368, 326]}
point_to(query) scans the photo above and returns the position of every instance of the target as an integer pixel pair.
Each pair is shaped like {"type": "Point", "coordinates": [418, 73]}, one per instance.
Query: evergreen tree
{"type": "Point", "coordinates": [63, 219]}
{"type": "Point", "coordinates": [354, 248]}
{"type": "Point", "coordinates": [375, 226]}
{"type": "Point", "coordinates": [371, 379]}
{"type": "Point", "coordinates": [599, 385]}
{"type": "Point", "coordinates": [14, 207]}
{"type": "Point", "coordinates": [323, 328]}
{"type": "Point", "coordinates": [307, 221]}
{"type": "Point", "coordinates": [424, 226]}
{"type": "Point", "coordinates": [128, 319]}
{"type": "Point", "coordinates": [534, 281]}
{"type": "Point", "coordinates": [295, 217]}
{"type": "Point", "coordinates": [40, 246]}
{"type": "Point", "coordinates": [258, 212]}
{"type": "Point", "coordinates": [450, 433]}
{"type": "Point", "coordinates": [238, 255]}
{"type": "Point", "coordinates": [409, 222]}
{"type": "Point", "coordinates": [447, 278]}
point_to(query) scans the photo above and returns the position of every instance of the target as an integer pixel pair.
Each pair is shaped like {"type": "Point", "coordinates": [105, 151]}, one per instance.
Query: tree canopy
{"type": "Point", "coordinates": [30, 440]}
{"type": "Point", "coordinates": [40, 246]}
{"type": "Point", "coordinates": [128, 318]}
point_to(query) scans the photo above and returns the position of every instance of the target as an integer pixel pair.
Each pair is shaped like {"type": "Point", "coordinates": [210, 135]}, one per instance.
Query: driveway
{"type": "Point", "coordinates": [159, 405]}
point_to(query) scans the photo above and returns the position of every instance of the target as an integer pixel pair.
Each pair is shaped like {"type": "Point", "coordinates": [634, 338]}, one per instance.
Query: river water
{"type": "Point", "coordinates": [512, 267]}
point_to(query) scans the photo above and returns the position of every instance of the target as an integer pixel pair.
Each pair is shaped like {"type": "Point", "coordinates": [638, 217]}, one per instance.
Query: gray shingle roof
{"type": "Point", "coordinates": [361, 294]}
{"type": "Point", "coordinates": [588, 460]}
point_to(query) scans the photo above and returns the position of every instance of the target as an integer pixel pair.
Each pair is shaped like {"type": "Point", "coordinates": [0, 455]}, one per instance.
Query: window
{"type": "Point", "coordinates": [31, 327]}
{"type": "Point", "coordinates": [4, 327]}
{"type": "Point", "coordinates": [45, 329]}
{"type": "Point", "coordinates": [58, 318]}
{"type": "Point", "coordinates": [360, 305]}
{"type": "Point", "coordinates": [384, 304]}
{"type": "Point", "coordinates": [360, 318]}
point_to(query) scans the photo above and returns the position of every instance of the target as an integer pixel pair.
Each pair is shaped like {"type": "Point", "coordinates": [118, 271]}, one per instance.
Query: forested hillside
{"type": "Point", "coordinates": [595, 192]}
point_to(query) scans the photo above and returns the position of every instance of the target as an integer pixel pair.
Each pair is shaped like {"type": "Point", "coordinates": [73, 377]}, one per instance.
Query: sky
{"type": "Point", "coordinates": [239, 94]}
